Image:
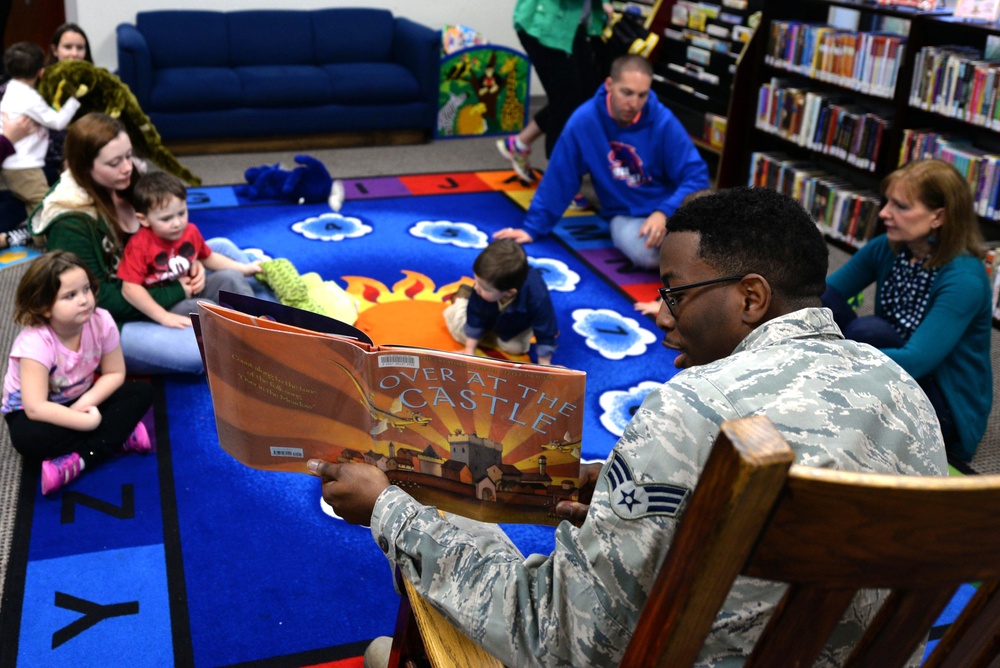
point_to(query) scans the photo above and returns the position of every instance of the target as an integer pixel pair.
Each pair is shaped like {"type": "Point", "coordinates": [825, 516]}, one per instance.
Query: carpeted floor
{"type": "Point", "coordinates": [169, 548]}
{"type": "Point", "coordinates": [260, 609]}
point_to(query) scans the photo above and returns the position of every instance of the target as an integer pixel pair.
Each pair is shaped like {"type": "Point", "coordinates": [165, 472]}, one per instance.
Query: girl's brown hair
{"type": "Point", "coordinates": [37, 291]}
{"type": "Point", "coordinates": [57, 37]}
{"type": "Point", "coordinates": [85, 139]}
{"type": "Point", "coordinates": [938, 185]}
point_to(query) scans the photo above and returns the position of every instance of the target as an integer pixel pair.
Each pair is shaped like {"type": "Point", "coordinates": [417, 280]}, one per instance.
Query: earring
{"type": "Point", "coordinates": [932, 239]}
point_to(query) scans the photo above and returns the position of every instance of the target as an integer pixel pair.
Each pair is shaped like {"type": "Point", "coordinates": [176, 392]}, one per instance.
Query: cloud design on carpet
{"type": "Point", "coordinates": [620, 405]}
{"type": "Point", "coordinates": [332, 227]}
{"type": "Point", "coordinates": [254, 254]}
{"type": "Point", "coordinates": [610, 333]}
{"type": "Point", "coordinates": [558, 276]}
{"type": "Point", "coordinates": [463, 235]}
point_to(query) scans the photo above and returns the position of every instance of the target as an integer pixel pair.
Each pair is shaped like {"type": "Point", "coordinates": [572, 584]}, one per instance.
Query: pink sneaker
{"type": "Point", "coordinates": [138, 441]}
{"type": "Point", "coordinates": [60, 471]}
{"type": "Point", "coordinates": [519, 159]}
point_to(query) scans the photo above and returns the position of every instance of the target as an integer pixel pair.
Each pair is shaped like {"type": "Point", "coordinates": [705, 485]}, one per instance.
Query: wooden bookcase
{"type": "Point", "coordinates": [695, 62]}
{"type": "Point", "coordinates": [926, 29]}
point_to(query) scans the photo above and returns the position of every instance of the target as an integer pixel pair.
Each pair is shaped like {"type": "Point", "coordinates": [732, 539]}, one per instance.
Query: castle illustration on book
{"type": "Point", "coordinates": [485, 438]}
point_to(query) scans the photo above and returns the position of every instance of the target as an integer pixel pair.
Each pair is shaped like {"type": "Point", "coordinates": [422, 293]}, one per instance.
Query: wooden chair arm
{"type": "Point", "coordinates": [445, 645]}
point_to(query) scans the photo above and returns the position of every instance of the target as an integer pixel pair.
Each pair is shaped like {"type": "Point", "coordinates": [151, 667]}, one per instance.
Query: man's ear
{"type": "Point", "coordinates": [757, 299]}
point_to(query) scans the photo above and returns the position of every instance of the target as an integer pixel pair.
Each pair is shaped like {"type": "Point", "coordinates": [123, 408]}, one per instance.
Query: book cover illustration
{"type": "Point", "coordinates": [980, 10]}
{"type": "Point", "coordinates": [488, 439]}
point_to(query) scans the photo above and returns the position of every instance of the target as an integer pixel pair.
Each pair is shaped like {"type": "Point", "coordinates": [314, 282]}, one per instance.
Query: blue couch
{"type": "Point", "coordinates": [261, 73]}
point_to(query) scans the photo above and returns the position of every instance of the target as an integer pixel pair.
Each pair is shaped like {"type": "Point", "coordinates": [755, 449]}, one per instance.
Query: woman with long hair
{"type": "Point", "coordinates": [932, 296]}
{"type": "Point", "coordinates": [89, 212]}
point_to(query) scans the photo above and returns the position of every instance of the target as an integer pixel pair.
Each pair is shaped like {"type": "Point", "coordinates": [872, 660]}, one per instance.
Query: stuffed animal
{"type": "Point", "coordinates": [106, 93]}
{"type": "Point", "coordinates": [308, 292]}
{"type": "Point", "coordinates": [310, 183]}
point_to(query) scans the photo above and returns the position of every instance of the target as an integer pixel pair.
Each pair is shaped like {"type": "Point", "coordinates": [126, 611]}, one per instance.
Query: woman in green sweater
{"type": "Point", "coordinates": [932, 296]}
{"type": "Point", "coordinates": [89, 212]}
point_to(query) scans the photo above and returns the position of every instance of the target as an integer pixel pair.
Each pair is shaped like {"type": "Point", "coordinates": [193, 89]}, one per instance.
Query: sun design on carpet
{"type": "Point", "coordinates": [410, 313]}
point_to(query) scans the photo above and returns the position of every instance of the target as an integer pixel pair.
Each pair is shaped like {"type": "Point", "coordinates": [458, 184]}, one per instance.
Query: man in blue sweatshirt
{"type": "Point", "coordinates": [639, 157]}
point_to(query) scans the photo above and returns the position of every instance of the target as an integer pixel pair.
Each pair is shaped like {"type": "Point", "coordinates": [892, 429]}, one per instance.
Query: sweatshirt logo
{"type": "Point", "coordinates": [626, 165]}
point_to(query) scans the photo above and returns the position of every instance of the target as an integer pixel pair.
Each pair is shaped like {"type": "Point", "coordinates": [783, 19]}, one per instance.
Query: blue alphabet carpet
{"type": "Point", "coordinates": [186, 557]}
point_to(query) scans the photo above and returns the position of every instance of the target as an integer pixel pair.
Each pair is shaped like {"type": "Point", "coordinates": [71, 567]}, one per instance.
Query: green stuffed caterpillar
{"type": "Point", "coordinates": [106, 93]}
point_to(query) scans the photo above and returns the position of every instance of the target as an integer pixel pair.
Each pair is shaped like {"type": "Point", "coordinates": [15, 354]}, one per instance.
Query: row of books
{"type": "Point", "coordinates": [980, 168]}
{"type": "Point", "coordinates": [991, 259]}
{"type": "Point", "coordinates": [842, 210]}
{"type": "Point", "coordinates": [821, 121]}
{"type": "Point", "coordinates": [867, 62]}
{"type": "Point", "coordinates": [957, 81]}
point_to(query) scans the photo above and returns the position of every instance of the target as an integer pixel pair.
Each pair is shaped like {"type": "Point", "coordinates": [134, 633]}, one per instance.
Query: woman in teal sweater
{"type": "Point", "coordinates": [932, 296]}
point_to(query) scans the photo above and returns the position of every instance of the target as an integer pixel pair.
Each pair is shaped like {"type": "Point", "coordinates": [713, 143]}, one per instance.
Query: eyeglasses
{"type": "Point", "coordinates": [672, 303]}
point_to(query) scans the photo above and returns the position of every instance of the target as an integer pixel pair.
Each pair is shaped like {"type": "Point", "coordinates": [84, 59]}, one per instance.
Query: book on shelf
{"type": "Point", "coordinates": [956, 81]}
{"type": "Point", "coordinates": [715, 129]}
{"type": "Point", "coordinates": [821, 121]}
{"type": "Point", "coordinates": [978, 10]}
{"type": "Point", "coordinates": [485, 438]}
{"type": "Point", "coordinates": [867, 62]}
{"type": "Point", "coordinates": [978, 166]}
{"type": "Point", "coordinates": [841, 210]}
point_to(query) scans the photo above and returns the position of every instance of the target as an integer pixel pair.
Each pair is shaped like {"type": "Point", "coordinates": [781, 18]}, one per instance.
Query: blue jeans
{"type": "Point", "coordinates": [625, 237]}
{"type": "Point", "coordinates": [152, 349]}
{"type": "Point", "coordinates": [224, 246]}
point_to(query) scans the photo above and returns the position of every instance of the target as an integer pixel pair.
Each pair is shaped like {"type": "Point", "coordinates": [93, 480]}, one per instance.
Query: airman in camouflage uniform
{"type": "Point", "coordinates": [840, 405]}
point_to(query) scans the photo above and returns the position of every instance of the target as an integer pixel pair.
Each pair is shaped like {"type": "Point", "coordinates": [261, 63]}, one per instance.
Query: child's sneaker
{"type": "Point", "coordinates": [579, 203]}
{"type": "Point", "coordinates": [60, 471]}
{"type": "Point", "coordinates": [18, 237]}
{"type": "Point", "coordinates": [138, 441]}
{"type": "Point", "coordinates": [518, 158]}
{"type": "Point", "coordinates": [336, 199]}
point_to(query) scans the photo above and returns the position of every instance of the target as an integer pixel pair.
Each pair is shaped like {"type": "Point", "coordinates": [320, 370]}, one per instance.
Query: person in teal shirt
{"type": "Point", "coordinates": [932, 296]}
{"type": "Point", "coordinates": [554, 34]}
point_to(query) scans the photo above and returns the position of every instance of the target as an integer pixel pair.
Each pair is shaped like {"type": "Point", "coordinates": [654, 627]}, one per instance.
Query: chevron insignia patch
{"type": "Point", "coordinates": [631, 501]}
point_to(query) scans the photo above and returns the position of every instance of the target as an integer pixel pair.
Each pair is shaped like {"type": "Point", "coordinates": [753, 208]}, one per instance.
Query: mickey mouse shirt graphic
{"type": "Point", "coordinates": [150, 260]}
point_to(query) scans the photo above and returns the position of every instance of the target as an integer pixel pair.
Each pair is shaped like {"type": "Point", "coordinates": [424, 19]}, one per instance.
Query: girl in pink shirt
{"type": "Point", "coordinates": [56, 411]}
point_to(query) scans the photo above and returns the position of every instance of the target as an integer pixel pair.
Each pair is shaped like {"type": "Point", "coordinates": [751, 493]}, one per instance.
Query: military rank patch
{"type": "Point", "coordinates": [631, 501]}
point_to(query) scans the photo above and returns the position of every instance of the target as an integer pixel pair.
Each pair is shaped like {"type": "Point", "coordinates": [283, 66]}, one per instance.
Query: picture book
{"type": "Point", "coordinates": [981, 10]}
{"type": "Point", "coordinates": [485, 438]}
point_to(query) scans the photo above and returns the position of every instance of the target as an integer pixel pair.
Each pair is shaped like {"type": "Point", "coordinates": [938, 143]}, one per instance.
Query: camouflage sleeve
{"type": "Point", "coordinates": [578, 605]}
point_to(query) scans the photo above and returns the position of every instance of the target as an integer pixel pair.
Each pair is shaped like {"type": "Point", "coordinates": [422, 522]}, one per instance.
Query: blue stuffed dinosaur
{"type": "Point", "coordinates": [309, 183]}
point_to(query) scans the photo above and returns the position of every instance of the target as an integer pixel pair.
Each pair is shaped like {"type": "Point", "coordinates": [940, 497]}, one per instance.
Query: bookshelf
{"type": "Point", "coordinates": [694, 64]}
{"type": "Point", "coordinates": [824, 108]}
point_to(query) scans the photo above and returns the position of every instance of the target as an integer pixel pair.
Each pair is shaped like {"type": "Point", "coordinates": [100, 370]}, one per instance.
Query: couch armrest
{"type": "Point", "coordinates": [418, 48]}
{"type": "Point", "coordinates": [135, 65]}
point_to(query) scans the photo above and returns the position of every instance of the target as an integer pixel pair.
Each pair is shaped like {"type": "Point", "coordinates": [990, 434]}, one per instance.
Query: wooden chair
{"type": "Point", "coordinates": [826, 534]}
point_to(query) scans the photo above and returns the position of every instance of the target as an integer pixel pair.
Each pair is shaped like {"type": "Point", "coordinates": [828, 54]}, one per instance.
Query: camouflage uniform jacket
{"type": "Point", "coordinates": [840, 404]}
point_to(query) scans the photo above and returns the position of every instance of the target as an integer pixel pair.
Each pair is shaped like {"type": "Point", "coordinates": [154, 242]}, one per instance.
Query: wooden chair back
{"type": "Point", "coordinates": [827, 534]}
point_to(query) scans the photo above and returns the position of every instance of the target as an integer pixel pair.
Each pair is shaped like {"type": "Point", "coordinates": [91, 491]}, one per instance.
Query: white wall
{"type": "Point", "coordinates": [492, 18]}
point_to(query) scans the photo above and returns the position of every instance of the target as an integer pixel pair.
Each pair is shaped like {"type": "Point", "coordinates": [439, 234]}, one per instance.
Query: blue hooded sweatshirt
{"type": "Point", "coordinates": [649, 165]}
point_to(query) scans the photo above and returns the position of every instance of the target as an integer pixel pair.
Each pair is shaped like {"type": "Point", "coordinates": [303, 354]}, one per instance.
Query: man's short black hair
{"type": "Point", "coordinates": [24, 60]}
{"type": "Point", "coordinates": [757, 230]}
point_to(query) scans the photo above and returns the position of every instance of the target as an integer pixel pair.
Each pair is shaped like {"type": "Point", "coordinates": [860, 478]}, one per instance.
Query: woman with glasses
{"type": "Point", "coordinates": [932, 296]}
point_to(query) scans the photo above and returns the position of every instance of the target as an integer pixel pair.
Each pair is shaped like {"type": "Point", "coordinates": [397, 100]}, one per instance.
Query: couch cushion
{"type": "Point", "coordinates": [348, 35]}
{"type": "Point", "coordinates": [195, 89]}
{"type": "Point", "coordinates": [271, 37]}
{"type": "Point", "coordinates": [372, 83]}
{"type": "Point", "coordinates": [268, 86]}
{"type": "Point", "coordinates": [182, 38]}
